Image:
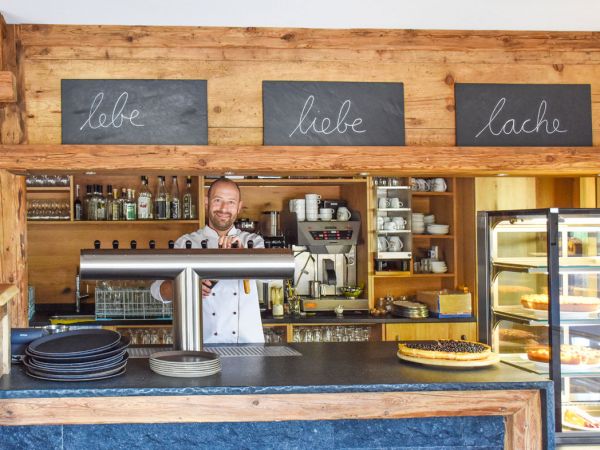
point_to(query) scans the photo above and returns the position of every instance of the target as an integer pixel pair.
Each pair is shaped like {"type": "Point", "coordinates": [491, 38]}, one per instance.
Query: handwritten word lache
{"type": "Point", "coordinates": [325, 125]}
{"type": "Point", "coordinates": [117, 118]}
{"type": "Point", "coordinates": [510, 126]}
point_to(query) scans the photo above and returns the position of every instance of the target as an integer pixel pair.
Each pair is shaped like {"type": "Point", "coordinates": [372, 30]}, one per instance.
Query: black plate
{"type": "Point", "coordinates": [118, 348]}
{"type": "Point", "coordinates": [78, 376]}
{"type": "Point", "coordinates": [51, 378]}
{"type": "Point", "coordinates": [67, 370]}
{"type": "Point", "coordinates": [74, 343]}
{"type": "Point", "coordinates": [90, 364]}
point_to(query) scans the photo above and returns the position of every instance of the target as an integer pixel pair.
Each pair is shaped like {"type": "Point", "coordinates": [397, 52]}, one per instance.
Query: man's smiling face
{"type": "Point", "coordinates": [224, 205]}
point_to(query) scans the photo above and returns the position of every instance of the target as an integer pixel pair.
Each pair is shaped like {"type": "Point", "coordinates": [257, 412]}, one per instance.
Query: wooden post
{"type": "Point", "coordinates": [13, 212]}
{"type": "Point", "coordinates": [7, 292]}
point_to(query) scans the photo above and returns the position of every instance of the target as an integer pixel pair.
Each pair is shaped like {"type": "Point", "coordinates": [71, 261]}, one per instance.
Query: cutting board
{"type": "Point", "coordinates": [448, 363]}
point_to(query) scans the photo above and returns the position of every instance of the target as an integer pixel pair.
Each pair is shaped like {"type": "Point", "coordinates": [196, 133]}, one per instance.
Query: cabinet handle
{"type": "Point", "coordinates": [463, 337]}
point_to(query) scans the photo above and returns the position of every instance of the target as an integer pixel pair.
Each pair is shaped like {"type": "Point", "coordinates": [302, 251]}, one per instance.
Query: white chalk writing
{"type": "Point", "coordinates": [326, 127]}
{"type": "Point", "coordinates": [117, 118]}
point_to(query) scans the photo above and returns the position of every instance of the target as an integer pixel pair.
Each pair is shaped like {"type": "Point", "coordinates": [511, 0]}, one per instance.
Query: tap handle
{"type": "Point", "coordinates": [115, 244]}
{"type": "Point", "coordinates": [171, 244]}
{"type": "Point", "coordinates": [188, 244]}
{"type": "Point", "coordinates": [250, 244]}
{"type": "Point", "coordinates": [152, 244]}
{"type": "Point", "coordinates": [133, 244]}
{"type": "Point", "coordinates": [96, 244]}
{"type": "Point", "coordinates": [204, 243]}
{"type": "Point", "coordinates": [235, 245]}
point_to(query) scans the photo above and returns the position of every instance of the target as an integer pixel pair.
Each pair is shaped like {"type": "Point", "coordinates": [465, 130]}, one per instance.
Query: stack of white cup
{"type": "Point", "coordinates": [312, 207]}
{"type": "Point", "coordinates": [298, 205]}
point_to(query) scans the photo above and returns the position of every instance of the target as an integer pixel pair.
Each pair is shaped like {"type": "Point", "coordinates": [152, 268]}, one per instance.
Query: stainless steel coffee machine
{"type": "Point", "coordinates": [325, 252]}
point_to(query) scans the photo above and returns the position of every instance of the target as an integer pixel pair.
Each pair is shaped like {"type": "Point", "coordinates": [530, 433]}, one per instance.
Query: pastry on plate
{"type": "Point", "coordinates": [569, 354]}
{"type": "Point", "coordinates": [446, 349]}
{"type": "Point", "coordinates": [568, 303]}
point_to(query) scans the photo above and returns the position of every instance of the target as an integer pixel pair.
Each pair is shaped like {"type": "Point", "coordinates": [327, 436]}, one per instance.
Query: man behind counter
{"type": "Point", "coordinates": [229, 314]}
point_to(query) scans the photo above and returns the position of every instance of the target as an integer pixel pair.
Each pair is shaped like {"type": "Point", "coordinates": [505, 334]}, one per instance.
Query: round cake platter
{"type": "Point", "coordinates": [493, 358]}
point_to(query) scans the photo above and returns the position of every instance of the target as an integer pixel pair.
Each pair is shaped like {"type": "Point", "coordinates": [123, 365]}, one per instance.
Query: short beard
{"type": "Point", "coordinates": [214, 224]}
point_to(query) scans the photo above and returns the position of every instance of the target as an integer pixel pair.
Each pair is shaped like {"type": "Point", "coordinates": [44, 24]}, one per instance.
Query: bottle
{"type": "Point", "coordinates": [175, 201]}
{"type": "Point", "coordinates": [122, 201]}
{"type": "Point", "coordinates": [188, 204]}
{"type": "Point", "coordinates": [160, 204]}
{"type": "Point", "coordinates": [86, 202]}
{"type": "Point", "coordinates": [144, 201]}
{"type": "Point", "coordinates": [130, 205]}
{"type": "Point", "coordinates": [77, 207]}
{"type": "Point", "coordinates": [92, 213]}
{"type": "Point", "coordinates": [277, 301]}
{"type": "Point", "coordinates": [114, 211]}
{"type": "Point", "coordinates": [101, 204]}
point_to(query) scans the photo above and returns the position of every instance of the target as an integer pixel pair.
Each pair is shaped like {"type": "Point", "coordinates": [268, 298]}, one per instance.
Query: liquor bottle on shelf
{"type": "Point", "coordinates": [144, 201]}
{"type": "Point", "coordinates": [161, 207]}
{"type": "Point", "coordinates": [100, 204]}
{"type": "Point", "coordinates": [175, 201]}
{"type": "Point", "coordinates": [77, 206]}
{"type": "Point", "coordinates": [122, 202]}
{"type": "Point", "coordinates": [130, 205]}
{"type": "Point", "coordinates": [86, 202]}
{"type": "Point", "coordinates": [189, 210]}
{"type": "Point", "coordinates": [114, 207]}
{"type": "Point", "coordinates": [92, 212]}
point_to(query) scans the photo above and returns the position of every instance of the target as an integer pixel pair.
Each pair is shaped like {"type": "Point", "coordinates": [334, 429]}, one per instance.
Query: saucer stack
{"type": "Point", "coordinates": [435, 228]}
{"type": "Point", "coordinates": [439, 266]}
{"type": "Point", "coordinates": [418, 223]}
{"type": "Point", "coordinates": [80, 355]}
{"type": "Point", "coordinates": [411, 310]}
{"type": "Point", "coordinates": [185, 364]}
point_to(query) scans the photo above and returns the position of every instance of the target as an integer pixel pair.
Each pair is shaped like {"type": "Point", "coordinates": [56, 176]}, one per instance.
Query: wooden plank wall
{"type": "Point", "coordinates": [236, 60]}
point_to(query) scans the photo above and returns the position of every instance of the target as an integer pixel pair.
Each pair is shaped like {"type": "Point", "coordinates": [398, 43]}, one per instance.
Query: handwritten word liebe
{"type": "Point", "coordinates": [325, 125]}
{"type": "Point", "coordinates": [97, 120]}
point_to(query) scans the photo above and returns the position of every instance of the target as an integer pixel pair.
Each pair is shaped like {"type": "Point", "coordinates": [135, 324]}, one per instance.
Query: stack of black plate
{"type": "Point", "coordinates": [80, 355]}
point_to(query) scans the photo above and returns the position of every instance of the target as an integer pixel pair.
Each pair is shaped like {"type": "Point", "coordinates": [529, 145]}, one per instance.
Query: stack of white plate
{"type": "Point", "coordinates": [438, 228]}
{"type": "Point", "coordinates": [439, 266]}
{"type": "Point", "coordinates": [429, 219]}
{"type": "Point", "coordinates": [185, 363]}
{"type": "Point", "coordinates": [418, 224]}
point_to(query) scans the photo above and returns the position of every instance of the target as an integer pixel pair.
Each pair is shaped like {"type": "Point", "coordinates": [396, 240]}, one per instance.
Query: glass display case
{"type": "Point", "coordinates": [539, 289]}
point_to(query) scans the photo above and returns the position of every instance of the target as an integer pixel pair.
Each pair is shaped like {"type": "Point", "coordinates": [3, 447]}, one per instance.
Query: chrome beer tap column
{"type": "Point", "coordinates": [188, 267]}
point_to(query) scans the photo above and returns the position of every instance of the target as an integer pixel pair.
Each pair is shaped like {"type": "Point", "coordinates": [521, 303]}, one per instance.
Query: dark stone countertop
{"type": "Point", "coordinates": [323, 367]}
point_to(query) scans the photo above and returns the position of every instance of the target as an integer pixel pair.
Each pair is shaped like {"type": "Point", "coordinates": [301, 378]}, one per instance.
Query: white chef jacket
{"type": "Point", "coordinates": [229, 315]}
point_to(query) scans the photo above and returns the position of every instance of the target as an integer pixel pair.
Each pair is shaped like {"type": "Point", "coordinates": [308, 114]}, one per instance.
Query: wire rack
{"type": "Point", "coordinates": [128, 303]}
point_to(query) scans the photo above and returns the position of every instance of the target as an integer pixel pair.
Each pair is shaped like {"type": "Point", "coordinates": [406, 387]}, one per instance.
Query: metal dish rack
{"type": "Point", "coordinates": [129, 303]}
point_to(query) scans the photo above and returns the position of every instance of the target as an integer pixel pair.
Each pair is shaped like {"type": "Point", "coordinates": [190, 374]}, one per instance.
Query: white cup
{"type": "Point", "coordinates": [312, 200]}
{"type": "Point", "coordinates": [326, 217]}
{"type": "Point", "coordinates": [400, 222]}
{"type": "Point", "coordinates": [380, 222]}
{"type": "Point", "coordinates": [439, 185]}
{"type": "Point", "coordinates": [326, 211]}
{"type": "Point", "coordinates": [382, 244]}
{"type": "Point", "coordinates": [383, 203]}
{"type": "Point", "coordinates": [395, 203]}
{"type": "Point", "coordinates": [343, 214]}
{"type": "Point", "coordinates": [312, 217]}
{"type": "Point", "coordinates": [395, 244]}
{"type": "Point", "coordinates": [390, 226]}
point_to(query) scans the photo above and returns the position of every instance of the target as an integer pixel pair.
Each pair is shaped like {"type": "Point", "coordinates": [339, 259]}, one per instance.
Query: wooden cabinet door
{"type": "Point", "coordinates": [424, 331]}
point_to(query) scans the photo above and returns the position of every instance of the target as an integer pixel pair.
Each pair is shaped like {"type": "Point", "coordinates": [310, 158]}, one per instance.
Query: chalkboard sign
{"type": "Point", "coordinates": [535, 115]}
{"type": "Point", "coordinates": [134, 112]}
{"type": "Point", "coordinates": [333, 113]}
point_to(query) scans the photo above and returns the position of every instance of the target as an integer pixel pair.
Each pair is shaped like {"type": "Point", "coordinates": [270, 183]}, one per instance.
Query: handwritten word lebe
{"type": "Point", "coordinates": [325, 125]}
{"type": "Point", "coordinates": [510, 126]}
{"type": "Point", "coordinates": [116, 119]}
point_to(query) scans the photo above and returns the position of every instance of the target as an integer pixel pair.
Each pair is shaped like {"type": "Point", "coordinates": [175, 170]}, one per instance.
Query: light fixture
{"type": "Point", "coordinates": [90, 172]}
{"type": "Point", "coordinates": [502, 175]}
{"type": "Point", "coordinates": [366, 174]}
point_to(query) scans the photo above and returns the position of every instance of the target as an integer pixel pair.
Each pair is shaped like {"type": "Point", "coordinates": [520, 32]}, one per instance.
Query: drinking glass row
{"type": "Point", "coordinates": [332, 334]}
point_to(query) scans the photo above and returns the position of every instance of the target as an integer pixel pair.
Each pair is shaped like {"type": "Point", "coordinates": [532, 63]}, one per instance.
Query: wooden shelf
{"type": "Point", "coordinates": [48, 189]}
{"type": "Point", "coordinates": [433, 236]}
{"type": "Point", "coordinates": [111, 222]}
{"type": "Point", "coordinates": [293, 181]}
{"type": "Point", "coordinates": [398, 274]}
{"type": "Point", "coordinates": [432, 194]}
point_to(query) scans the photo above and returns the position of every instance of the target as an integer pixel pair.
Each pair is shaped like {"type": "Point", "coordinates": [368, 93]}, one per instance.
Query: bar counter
{"type": "Point", "coordinates": [336, 395]}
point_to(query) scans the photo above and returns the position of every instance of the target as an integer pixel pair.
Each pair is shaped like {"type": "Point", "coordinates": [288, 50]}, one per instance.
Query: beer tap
{"type": "Point", "coordinates": [152, 244]}
{"type": "Point", "coordinates": [171, 244]}
{"type": "Point", "coordinates": [133, 244]}
{"type": "Point", "coordinates": [115, 244]}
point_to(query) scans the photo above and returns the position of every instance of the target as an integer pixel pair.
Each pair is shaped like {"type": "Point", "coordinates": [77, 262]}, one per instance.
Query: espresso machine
{"type": "Point", "coordinates": [325, 258]}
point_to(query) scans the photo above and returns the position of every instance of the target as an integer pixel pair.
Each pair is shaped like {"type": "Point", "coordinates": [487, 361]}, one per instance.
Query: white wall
{"type": "Point", "coordinates": [564, 15]}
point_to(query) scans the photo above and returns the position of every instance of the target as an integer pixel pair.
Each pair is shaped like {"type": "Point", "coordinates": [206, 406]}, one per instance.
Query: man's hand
{"type": "Point", "coordinates": [166, 289]}
{"type": "Point", "coordinates": [228, 241]}
{"type": "Point", "coordinates": [207, 287]}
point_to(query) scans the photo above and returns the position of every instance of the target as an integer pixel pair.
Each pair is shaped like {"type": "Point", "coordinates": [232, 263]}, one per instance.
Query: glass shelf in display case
{"type": "Point", "coordinates": [539, 305]}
